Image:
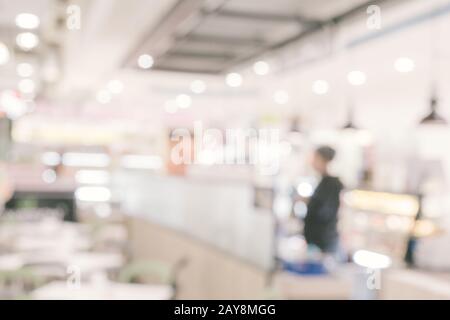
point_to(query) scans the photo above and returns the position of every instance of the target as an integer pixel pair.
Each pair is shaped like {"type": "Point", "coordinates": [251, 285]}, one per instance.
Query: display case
{"type": "Point", "coordinates": [382, 222]}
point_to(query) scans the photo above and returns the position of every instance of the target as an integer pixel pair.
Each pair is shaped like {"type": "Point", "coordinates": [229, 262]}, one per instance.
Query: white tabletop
{"type": "Point", "coordinates": [102, 291]}
{"type": "Point", "coordinates": [10, 262]}
{"type": "Point", "coordinates": [87, 262]}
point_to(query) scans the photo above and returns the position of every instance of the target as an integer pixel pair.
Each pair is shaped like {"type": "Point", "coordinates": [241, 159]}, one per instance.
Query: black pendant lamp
{"type": "Point", "coordinates": [350, 124]}
{"type": "Point", "coordinates": [433, 117]}
{"type": "Point", "coordinates": [296, 126]}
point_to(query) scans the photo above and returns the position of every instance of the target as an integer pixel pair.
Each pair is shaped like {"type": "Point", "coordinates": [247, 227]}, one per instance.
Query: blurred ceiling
{"type": "Point", "coordinates": [213, 36]}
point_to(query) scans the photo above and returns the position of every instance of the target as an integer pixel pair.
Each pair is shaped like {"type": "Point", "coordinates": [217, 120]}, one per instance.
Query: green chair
{"type": "Point", "coordinates": [159, 272]}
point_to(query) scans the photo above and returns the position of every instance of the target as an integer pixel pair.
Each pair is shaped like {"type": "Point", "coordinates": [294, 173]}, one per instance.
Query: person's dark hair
{"type": "Point", "coordinates": [327, 153]}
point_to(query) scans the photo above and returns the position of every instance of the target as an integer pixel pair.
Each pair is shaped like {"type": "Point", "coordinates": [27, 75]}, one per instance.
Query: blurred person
{"type": "Point", "coordinates": [320, 223]}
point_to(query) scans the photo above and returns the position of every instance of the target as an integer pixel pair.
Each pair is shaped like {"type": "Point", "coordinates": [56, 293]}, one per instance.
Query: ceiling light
{"type": "Point", "coordinates": [371, 260]}
{"type": "Point", "coordinates": [145, 61]}
{"type": "Point", "coordinates": [12, 105]}
{"type": "Point", "coordinates": [115, 86]}
{"type": "Point", "coordinates": [261, 68]}
{"type": "Point", "coordinates": [433, 117]}
{"type": "Point", "coordinates": [183, 101]}
{"type": "Point", "coordinates": [281, 97]}
{"type": "Point", "coordinates": [49, 176]}
{"type": "Point", "coordinates": [24, 70]}
{"type": "Point", "coordinates": [92, 177]}
{"type": "Point", "coordinates": [356, 78]}
{"type": "Point", "coordinates": [51, 158]}
{"type": "Point", "coordinates": [104, 96]}
{"type": "Point", "coordinates": [305, 189]}
{"type": "Point", "coordinates": [93, 194]}
{"type": "Point", "coordinates": [198, 86]}
{"type": "Point", "coordinates": [4, 54]}
{"type": "Point", "coordinates": [350, 126]}
{"type": "Point", "coordinates": [27, 40]}
{"type": "Point", "coordinates": [320, 87]}
{"type": "Point", "coordinates": [404, 65]}
{"type": "Point", "coordinates": [27, 86]}
{"type": "Point", "coordinates": [94, 160]}
{"type": "Point", "coordinates": [27, 21]}
{"type": "Point", "coordinates": [234, 80]}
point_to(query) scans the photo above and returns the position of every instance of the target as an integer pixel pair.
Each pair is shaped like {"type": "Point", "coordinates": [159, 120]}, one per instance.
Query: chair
{"type": "Point", "coordinates": [18, 283]}
{"type": "Point", "coordinates": [158, 272]}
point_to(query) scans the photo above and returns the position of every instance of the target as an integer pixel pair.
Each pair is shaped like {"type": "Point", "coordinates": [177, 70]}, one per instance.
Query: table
{"type": "Point", "coordinates": [10, 262]}
{"type": "Point", "coordinates": [102, 291]}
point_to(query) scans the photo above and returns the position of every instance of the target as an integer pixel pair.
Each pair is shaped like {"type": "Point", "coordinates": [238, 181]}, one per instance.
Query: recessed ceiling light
{"type": "Point", "coordinates": [115, 86]}
{"type": "Point", "coordinates": [234, 80]}
{"type": "Point", "coordinates": [27, 21]}
{"type": "Point", "coordinates": [261, 68]}
{"type": "Point", "coordinates": [404, 65]}
{"type": "Point", "coordinates": [27, 40]}
{"type": "Point", "coordinates": [146, 61]}
{"type": "Point", "coordinates": [49, 176]}
{"type": "Point", "coordinates": [4, 54]}
{"type": "Point", "coordinates": [356, 78]}
{"type": "Point", "coordinates": [183, 101]}
{"type": "Point", "coordinates": [24, 70]}
{"type": "Point", "coordinates": [103, 96]}
{"type": "Point", "coordinates": [27, 86]}
{"type": "Point", "coordinates": [281, 97]}
{"type": "Point", "coordinates": [320, 87]}
{"type": "Point", "coordinates": [198, 86]}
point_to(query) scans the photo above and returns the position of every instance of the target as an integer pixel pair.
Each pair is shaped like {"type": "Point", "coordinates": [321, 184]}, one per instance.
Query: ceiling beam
{"type": "Point", "coordinates": [185, 70]}
{"type": "Point", "coordinates": [168, 24]}
{"type": "Point", "coordinates": [312, 29]}
{"type": "Point", "coordinates": [200, 55]}
{"type": "Point", "coordinates": [232, 41]}
{"type": "Point", "coordinates": [263, 17]}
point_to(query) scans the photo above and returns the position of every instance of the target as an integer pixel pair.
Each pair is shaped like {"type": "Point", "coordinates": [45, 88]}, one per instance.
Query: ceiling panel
{"type": "Point", "coordinates": [228, 32]}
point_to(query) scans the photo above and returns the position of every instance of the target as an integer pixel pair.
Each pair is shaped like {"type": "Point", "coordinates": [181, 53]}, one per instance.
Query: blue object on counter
{"type": "Point", "coordinates": [306, 268]}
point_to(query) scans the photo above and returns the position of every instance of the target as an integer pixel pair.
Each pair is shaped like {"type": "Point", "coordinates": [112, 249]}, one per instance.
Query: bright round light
{"type": "Point", "coordinates": [12, 104]}
{"type": "Point", "coordinates": [305, 190]}
{"type": "Point", "coordinates": [281, 97]}
{"type": "Point", "coordinates": [93, 194]}
{"type": "Point", "coordinates": [371, 260]}
{"type": "Point", "coordinates": [171, 106]}
{"type": "Point", "coordinates": [115, 86]}
{"type": "Point", "coordinates": [198, 86]}
{"type": "Point", "coordinates": [27, 86]}
{"type": "Point", "coordinates": [24, 70]}
{"type": "Point", "coordinates": [261, 68]}
{"type": "Point", "coordinates": [404, 65]}
{"type": "Point", "coordinates": [27, 41]}
{"type": "Point", "coordinates": [49, 176]}
{"type": "Point", "coordinates": [234, 80]}
{"type": "Point", "coordinates": [51, 158]}
{"type": "Point", "coordinates": [27, 21]}
{"type": "Point", "coordinates": [320, 87]}
{"type": "Point", "coordinates": [145, 61]}
{"type": "Point", "coordinates": [183, 101]}
{"type": "Point", "coordinates": [357, 78]}
{"type": "Point", "coordinates": [104, 96]}
{"type": "Point", "coordinates": [4, 54]}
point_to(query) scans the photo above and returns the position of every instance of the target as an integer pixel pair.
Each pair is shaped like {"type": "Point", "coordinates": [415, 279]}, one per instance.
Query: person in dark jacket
{"type": "Point", "coordinates": [320, 224]}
